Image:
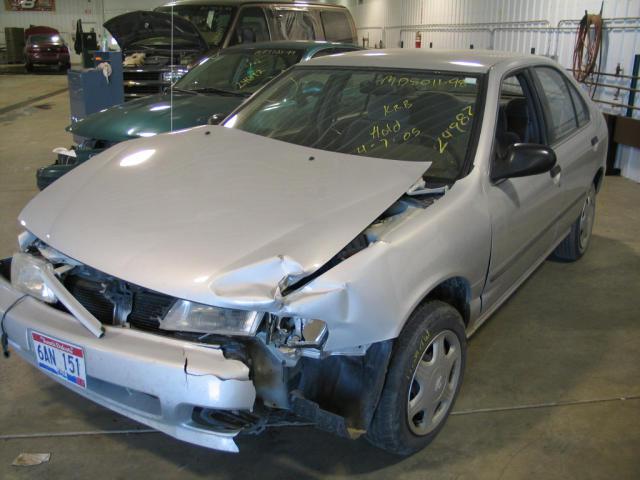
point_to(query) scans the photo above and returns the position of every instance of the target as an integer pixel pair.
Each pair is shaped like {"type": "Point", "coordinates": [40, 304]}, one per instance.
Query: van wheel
{"type": "Point", "coordinates": [423, 380]}
{"type": "Point", "coordinates": [575, 244]}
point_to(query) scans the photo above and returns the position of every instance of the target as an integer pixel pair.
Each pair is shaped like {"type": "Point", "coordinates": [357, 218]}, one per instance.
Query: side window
{"type": "Point", "coordinates": [251, 27]}
{"type": "Point", "coordinates": [557, 102]}
{"type": "Point", "coordinates": [295, 24]}
{"type": "Point", "coordinates": [517, 121]}
{"type": "Point", "coordinates": [337, 27]}
{"type": "Point", "coordinates": [582, 112]}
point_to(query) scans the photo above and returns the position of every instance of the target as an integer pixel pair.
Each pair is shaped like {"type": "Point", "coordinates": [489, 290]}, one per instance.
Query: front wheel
{"type": "Point", "coordinates": [575, 244]}
{"type": "Point", "coordinates": [423, 380]}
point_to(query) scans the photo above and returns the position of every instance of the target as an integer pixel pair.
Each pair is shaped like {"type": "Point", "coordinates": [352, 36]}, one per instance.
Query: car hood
{"type": "Point", "coordinates": [152, 115]}
{"type": "Point", "coordinates": [215, 215]}
{"type": "Point", "coordinates": [139, 25]}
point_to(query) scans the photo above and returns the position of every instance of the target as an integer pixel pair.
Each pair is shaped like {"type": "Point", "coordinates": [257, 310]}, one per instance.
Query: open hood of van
{"type": "Point", "coordinates": [132, 28]}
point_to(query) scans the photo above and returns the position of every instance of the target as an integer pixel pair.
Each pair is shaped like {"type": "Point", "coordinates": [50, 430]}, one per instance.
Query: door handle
{"type": "Point", "coordinates": [555, 171]}
{"type": "Point", "coordinates": [594, 141]}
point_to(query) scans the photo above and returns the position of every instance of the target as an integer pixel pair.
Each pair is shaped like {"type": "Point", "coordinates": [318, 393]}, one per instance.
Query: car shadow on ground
{"type": "Point", "coordinates": [555, 355]}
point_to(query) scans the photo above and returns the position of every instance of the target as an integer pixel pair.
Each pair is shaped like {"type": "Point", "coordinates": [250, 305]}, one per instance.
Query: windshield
{"type": "Point", "coordinates": [394, 114]}
{"type": "Point", "coordinates": [211, 20]}
{"type": "Point", "coordinates": [242, 72]}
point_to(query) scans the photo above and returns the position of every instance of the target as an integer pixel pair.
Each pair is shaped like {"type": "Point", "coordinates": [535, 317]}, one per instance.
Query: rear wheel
{"type": "Point", "coordinates": [423, 380]}
{"type": "Point", "coordinates": [576, 243]}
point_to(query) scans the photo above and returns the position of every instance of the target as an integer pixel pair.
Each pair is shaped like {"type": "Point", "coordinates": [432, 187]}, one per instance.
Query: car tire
{"type": "Point", "coordinates": [575, 244]}
{"type": "Point", "coordinates": [28, 67]}
{"type": "Point", "coordinates": [415, 404]}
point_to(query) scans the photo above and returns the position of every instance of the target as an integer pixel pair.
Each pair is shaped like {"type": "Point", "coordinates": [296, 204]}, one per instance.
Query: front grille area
{"type": "Point", "coordinates": [136, 75]}
{"type": "Point", "coordinates": [147, 307]}
{"type": "Point", "coordinates": [89, 294]}
{"type": "Point", "coordinates": [142, 83]}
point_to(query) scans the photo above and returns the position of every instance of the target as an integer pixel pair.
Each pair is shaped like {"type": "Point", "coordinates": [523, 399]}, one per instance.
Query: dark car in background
{"type": "Point", "coordinates": [46, 49]}
{"type": "Point", "coordinates": [215, 87]}
{"type": "Point", "coordinates": [202, 27]}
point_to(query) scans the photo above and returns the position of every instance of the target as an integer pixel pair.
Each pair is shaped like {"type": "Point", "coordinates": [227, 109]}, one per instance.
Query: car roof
{"type": "Point", "coordinates": [244, 2]}
{"type": "Point", "coordinates": [292, 45]}
{"type": "Point", "coordinates": [469, 61]}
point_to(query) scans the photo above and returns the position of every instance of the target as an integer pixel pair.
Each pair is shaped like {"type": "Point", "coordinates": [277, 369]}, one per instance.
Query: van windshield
{"type": "Point", "coordinates": [212, 21]}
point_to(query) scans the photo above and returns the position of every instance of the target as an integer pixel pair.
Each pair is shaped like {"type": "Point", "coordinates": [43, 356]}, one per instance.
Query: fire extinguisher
{"type": "Point", "coordinates": [418, 39]}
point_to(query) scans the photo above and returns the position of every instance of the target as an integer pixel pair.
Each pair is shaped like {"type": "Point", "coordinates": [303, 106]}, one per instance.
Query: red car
{"type": "Point", "coordinates": [46, 49]}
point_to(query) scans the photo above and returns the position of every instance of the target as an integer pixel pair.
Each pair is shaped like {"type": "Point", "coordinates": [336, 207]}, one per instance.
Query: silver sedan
{"type": "Point", "coordinates": [320, 257]}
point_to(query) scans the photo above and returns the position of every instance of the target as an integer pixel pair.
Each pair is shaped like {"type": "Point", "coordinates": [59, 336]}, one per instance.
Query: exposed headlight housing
{"type": "Point", "coordinates": [27, 276]}
{"type": "Point", "coordinates": [186, 316]}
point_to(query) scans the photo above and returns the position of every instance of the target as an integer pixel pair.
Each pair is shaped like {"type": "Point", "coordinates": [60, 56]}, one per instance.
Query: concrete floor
{"type": "Point", "coordinates": [570, 335]}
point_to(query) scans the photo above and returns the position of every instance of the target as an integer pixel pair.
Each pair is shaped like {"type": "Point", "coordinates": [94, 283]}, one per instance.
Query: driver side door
{"type": "Point", "coordinates": [522, 209]}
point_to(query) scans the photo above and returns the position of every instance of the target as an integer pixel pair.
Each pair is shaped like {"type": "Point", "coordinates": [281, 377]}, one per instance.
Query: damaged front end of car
{"type": "Point", "coordinates": [268, 362]}
{"type": "Point", "coordinates": [204, 322]}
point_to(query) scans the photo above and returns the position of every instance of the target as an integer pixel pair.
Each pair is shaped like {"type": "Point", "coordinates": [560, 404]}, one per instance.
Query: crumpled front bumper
{"type": "Point", "coordinates": [155, 380]}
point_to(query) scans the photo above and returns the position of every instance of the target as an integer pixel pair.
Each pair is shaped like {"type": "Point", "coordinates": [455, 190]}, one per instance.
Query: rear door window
{"type": "Point", "coordinates": [582, 113]}
{"type": "Point", "coordinates": [559, 113]}
{"type": "Point", "coordinates": [337, 27]}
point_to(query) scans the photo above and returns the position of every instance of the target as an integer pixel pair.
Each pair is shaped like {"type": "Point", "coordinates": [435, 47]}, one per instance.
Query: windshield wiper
{"type": "Point", "coordinates": [421, 188]}
{"type": "Point", "coordinates": [182, 90]}
{"type": "Point", "coordinates": [222, 91]}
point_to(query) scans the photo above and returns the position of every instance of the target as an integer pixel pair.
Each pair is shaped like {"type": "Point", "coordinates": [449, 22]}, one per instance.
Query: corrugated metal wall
{"type": "Point", "coordinates": [548, 26]}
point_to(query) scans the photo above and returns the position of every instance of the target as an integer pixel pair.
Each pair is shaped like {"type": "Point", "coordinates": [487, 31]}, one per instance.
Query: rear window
{"type": "Point", "coordinates": [45, 39]}
{"type": "Point", "coordinates": [337, 27]}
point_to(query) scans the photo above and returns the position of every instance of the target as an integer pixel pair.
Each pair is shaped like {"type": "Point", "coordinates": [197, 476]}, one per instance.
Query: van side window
{"type": "Point", "coordinates": [337, 27]}
{"type": "Point", "coordinates": [558, 106]}
{"type": "Point", "coordinates": [295, 24]}
{"type": "Point", "coordinates": [251, 27]}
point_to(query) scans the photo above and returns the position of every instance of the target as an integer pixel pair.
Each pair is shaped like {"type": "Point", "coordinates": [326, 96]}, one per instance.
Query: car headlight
{"type": "Point", "coordinates": [177, 74]}
{"type": "Point", "coordinates": [188, 316]}
{"type": "Point", "coordinates": [27, 276]}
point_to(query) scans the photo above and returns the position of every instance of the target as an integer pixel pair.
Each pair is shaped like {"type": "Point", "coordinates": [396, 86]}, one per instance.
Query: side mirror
{"type": "Point", "coordinates": [522, 160]}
